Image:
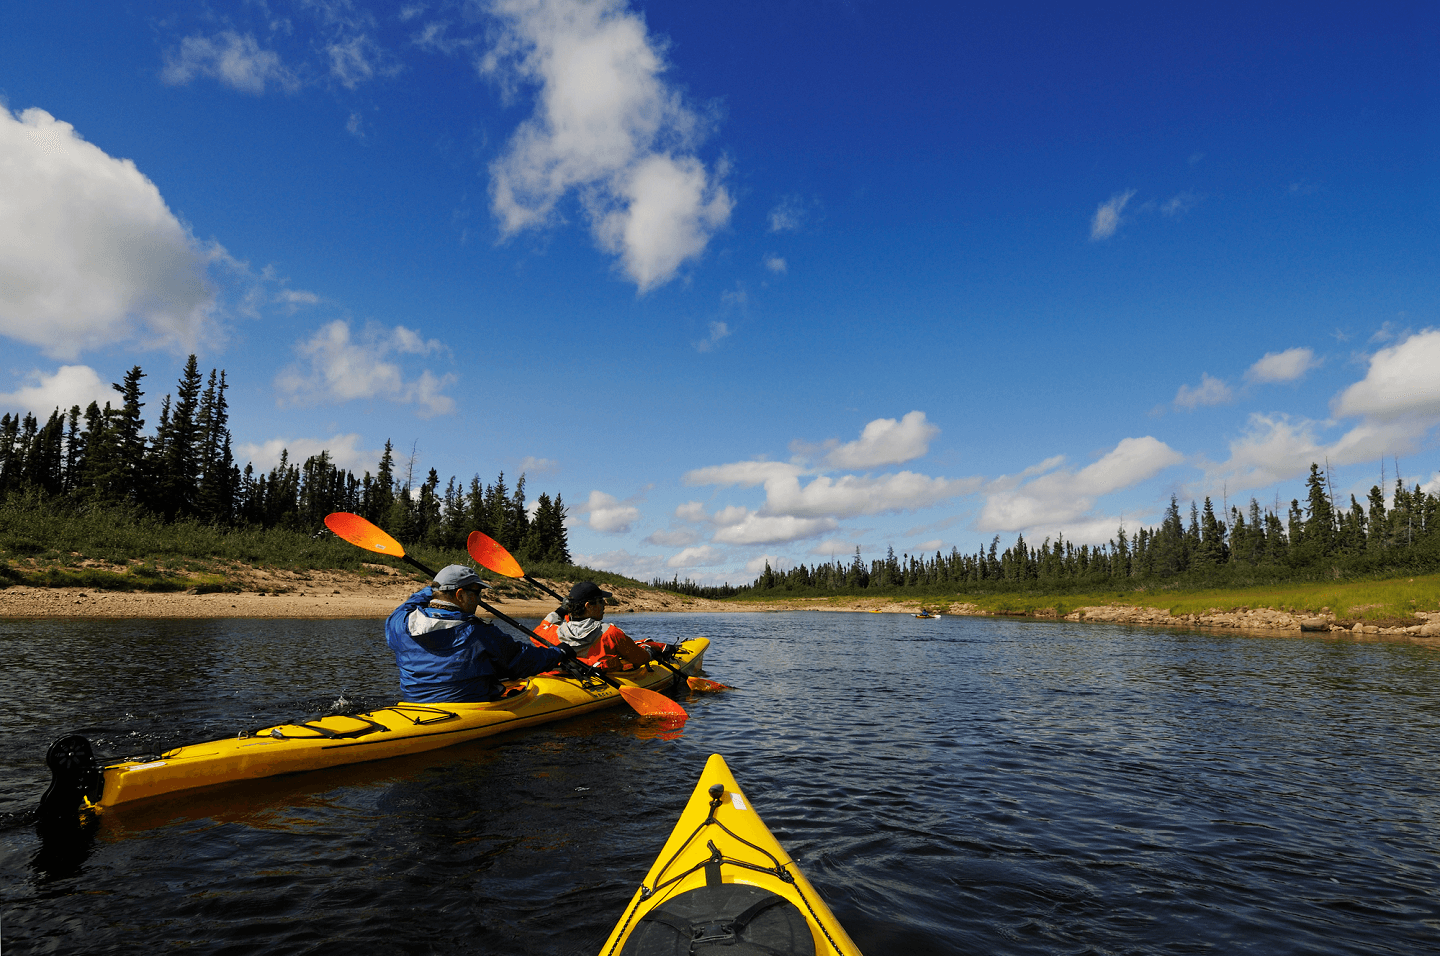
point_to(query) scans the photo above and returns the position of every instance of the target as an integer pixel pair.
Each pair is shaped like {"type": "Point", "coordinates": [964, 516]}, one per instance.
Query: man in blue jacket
{"type": "Point", "coordinates": [445, 654]}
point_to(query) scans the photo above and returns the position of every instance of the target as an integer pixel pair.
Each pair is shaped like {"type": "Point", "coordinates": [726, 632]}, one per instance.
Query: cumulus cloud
{"type": "Point", "coordinates": [70, 385]}
{"type": "Point", "coordinates": [674, 538]}
{"type": "Point", "coordinates": [1061, 496]}
{"type": "Point", "coordinates": [932, 545]}
{"type": "Point", "coordinates": [336, 367]}
{"type": "Point", "coordinates": [1402, 382]}
{"type": "Point", "coordinates": [606, 126]}
{"type": "Point", "coordinates": [641, 567]}
{"type": "Point", "coordinates": [1210, 391]}
{"type": "Point", "coordinates": [886, 441]}
{"type": "Point", "coordinates": [1398, 403]}
{"type": "Point", "coordinates": [692, 511]}
{"type": "Point", "coordinates": [344, 450]}
{"type": "Point", "coordinates": [753, 528]}
{"type": "Point", "coordinates": [746, 474]}
{"type": "Point", "coordinates": [89, 252]}
{"type": "Point", "coordinates": [775, 264]}
{"type": "Point", "coordinates": [850, 496]}
{"type": "Point", "coordinates": [698, 557]}
{"type": "Point", "coordinates": [608, 514]}
{"type": "Point", "coordinates": [234, 59]}
{"type": "Point", "coordinates": [530, 465]}
{"type": "Point", "coordinates": [1286, 366]}
{"type": "Point", "coordinates": [1107, 216]}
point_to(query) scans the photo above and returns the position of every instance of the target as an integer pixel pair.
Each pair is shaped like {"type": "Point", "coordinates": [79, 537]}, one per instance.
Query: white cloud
{"type": "Point", "coordinates": [641, 567]}
{"type": "Point", "coordinates": [1063, 496]}
{"type": "Point", "coordinates": [692, 511]}
{"type": "Point", "coordinates": [337, 368]}
{"type": "Point", "coordinates": [90, 255]}
{"type": "Point", "coordinates": [927, 546]}
{"type": "Point", "coordinates": [773, 529]}
{"type": "Point", "coordinates": [886, 442]}
{"type": "Point", "coordinates": [234, 59]}
{"type": "Point", "coordinates": [718, 331]}
{"type": "Point", "coordinates": [746, 474]}
{"type": "Point", "coordinates": [1210, 391]}
{"type": "Point", "coordinates": [70, 385]}
{"type": "Point", "coordinates": [756, 565]}
{"type": "Point", "coordinates": [608, 514]}
{"type": "Point", "coordinates": [1286, 366]}
{"type": "Point", "coordinates": [1107, 215]}
{"type": "Point", "coordinates": [699, 557]}
{"type": "Point", "coordinates": [530, 465]}
{"type": "Point", "coordinates": [345, 452]}
{"type": "Point", "coordinates": [674, 538]}
{"type": "Point", "coordinates": [776, 265]}
{"type": "Point", "coordinates": [834, 548]}
{"type": "Point", "coordinates": [1402, 382]}
{"type": "Point", "coordinates": [608, 126]}
{"type": "Point", "coordinates": [850, 496]}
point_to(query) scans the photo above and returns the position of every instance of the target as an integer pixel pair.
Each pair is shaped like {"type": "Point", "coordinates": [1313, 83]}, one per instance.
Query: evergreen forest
{"type": "Point", "coordinates": [184, 470]}
{"type": "Point", "coordinates": [1314, 540]}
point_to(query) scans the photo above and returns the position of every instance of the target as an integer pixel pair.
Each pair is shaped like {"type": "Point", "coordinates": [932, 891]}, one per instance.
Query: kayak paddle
{"type": "Point", "coordinates": [361, 533]}
{"type": "Point", "coordinates": [489, 553]}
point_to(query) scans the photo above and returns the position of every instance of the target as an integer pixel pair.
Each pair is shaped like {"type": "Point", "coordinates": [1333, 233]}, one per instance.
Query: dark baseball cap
{"type": "Point", "coordinates": [583, 592]}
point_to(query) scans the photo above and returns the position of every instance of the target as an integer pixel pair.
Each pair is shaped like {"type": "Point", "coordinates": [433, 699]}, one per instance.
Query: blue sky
{"type": "Point", "coordinates": [748, 281]}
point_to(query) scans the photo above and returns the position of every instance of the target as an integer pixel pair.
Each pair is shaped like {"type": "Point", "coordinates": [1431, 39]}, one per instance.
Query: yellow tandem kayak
{"type": "Point", "coordinates": [723, 885]}
{"type": "Point", "coordinates": [80, 785]}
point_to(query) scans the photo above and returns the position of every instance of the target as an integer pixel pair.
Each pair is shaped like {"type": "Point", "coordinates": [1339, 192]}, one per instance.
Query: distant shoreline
{"type": "Point", "coordinates": [345, 595]}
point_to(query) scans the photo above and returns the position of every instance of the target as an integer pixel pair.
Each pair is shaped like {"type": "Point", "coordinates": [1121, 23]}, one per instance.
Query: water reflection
{"type": "Point", "coordinates": [950, 786]}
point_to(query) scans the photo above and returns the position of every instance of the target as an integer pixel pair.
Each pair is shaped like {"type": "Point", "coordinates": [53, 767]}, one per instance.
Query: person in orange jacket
{"type": "Point", "coordinates": [596, 643]}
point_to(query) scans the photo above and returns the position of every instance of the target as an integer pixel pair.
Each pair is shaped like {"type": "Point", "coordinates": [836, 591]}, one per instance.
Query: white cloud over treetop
{"type": "Point", "coordinates": [336, 367]}
{"type": "Point", "coordinates": [344, 451]}
{"type": "Point", "coordinates": [607, 126]}
{"type": "Point", "coordinates": [1286, 366]}
{"type": "Point", "coordinates": [71, 385]}
{"type": "Point", "coordinates": [1063, 496]}
{"type": "Point", "coordinates": [609, 514]}
{"type": "Point", "coordinates": [89, 252]}
{"type": "Point", "coordinates": [1402, 381]}
{"type": "Point", "coordinates": [753, 528]}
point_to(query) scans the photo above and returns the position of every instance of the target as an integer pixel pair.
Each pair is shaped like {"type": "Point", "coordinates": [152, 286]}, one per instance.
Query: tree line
{"type": "Point", "coordinates": [186, 470]}
{"type": "Point", "coordinates": [1308, 541]}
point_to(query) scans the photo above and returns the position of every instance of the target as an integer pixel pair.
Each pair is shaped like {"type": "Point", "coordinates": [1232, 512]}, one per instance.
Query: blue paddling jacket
{"type": "Point", "coordinates": [446, 655]}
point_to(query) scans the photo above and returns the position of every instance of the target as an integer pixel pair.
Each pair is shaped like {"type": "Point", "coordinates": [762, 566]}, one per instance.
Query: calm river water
{"type": "Point", "coordinates": [959, 785]}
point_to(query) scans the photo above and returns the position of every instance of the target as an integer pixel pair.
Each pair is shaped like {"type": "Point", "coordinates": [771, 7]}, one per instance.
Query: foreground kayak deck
{"type": "Point", "coordinates": [405, 728]}
{"type": "Point", "coordinates": [723, 885]}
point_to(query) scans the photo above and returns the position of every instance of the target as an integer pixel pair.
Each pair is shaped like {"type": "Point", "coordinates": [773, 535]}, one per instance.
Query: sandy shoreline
{"type": "Point", "coordinates": [338, 594]}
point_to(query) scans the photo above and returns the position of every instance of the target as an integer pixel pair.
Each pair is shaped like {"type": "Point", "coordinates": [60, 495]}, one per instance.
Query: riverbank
{"type": "Point", "coordinates": [376, 591]}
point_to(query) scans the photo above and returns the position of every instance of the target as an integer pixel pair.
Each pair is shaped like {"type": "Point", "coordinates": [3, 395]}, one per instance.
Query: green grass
{"type": "Point", "coordinates": [1371, 601]}
{"type": "Point", "coordinates": [111, 548]}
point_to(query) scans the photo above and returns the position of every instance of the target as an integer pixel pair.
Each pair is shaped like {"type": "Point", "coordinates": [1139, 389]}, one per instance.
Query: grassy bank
{"type": "Point", "coordinates": [1368, 600]}
{"type": "Point", "coordinates": [118, 549]}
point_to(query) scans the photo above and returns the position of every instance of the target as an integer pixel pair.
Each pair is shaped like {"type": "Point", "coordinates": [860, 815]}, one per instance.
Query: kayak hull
{"type": "Point", "coordinates": [723, 884]}
{"type": "Point", "coordinates": [405, 728]}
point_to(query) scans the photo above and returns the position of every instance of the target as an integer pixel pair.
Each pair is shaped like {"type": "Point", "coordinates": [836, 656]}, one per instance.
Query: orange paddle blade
{"type": "Point", "coordinates": [362, 533]}
{"type": "Point", "coordinates": [701, 683]}
{"type": "Point", "coordinates": [647, 703]}
{"type": "Point", "coordinates": [488, 553]}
